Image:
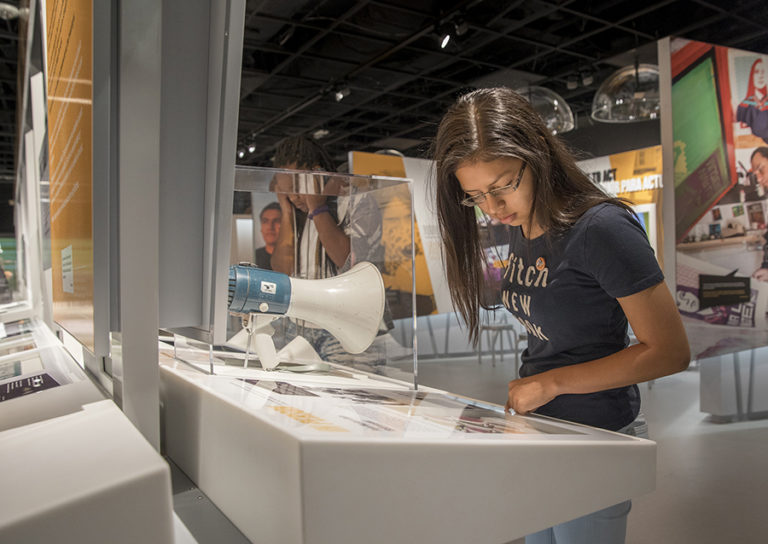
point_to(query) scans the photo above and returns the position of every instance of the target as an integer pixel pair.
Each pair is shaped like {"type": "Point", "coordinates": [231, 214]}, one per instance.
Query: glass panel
{"type": "Point", "coordinates": [321, 268]}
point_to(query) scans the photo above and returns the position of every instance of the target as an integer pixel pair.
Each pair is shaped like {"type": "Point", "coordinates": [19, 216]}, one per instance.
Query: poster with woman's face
{"type": "Point", "coordinates": [720, 128]}
{"type": "Point", "coordinates": [749, 100]}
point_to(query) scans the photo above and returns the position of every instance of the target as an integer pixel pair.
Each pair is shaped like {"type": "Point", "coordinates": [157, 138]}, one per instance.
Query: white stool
{"type": "Point", "coordinates": [495, 332]}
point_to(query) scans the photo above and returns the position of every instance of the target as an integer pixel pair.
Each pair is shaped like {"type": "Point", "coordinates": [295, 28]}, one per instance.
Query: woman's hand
{"type": "Point", "coordinates": [661, 349]}
{"type": "Point", "coordinates": [282, 185]}
{"type": "Point", "coordinates": [761, 274]}
{"type": "Point", "coordinates": [313, 201]}
{"type": "Point", "coordinates": [527, 394]}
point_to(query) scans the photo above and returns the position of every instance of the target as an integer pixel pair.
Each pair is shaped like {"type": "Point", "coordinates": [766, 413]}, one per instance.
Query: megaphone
{"type": "Point", "coordinates": [350, 306]}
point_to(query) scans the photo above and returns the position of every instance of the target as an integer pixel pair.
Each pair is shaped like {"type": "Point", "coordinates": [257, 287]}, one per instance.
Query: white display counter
{"type": "Point", "coordinates": [348, 457]}
{"type": "Point", "coordinates": [74, 468]}
{"type": "Point", "coordinates": [15, 310]}
{"type": "Point", "coordinates": [87, 477]}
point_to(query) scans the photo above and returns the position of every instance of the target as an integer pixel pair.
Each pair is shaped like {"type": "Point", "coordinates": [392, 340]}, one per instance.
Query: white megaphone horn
{"type": "Point", "coordinates": [350, 306]}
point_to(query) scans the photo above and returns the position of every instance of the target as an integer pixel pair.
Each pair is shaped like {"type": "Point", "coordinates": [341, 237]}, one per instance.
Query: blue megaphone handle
{"type": "Point", "coordinates": [259, 291]}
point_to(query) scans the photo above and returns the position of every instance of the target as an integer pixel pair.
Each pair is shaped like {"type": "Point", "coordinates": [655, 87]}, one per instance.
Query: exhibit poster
{"type": "Point", "coordinates": [69, 58]}
{"type": "Point", "coordinates": [719, 115]}
{"type": "Point", "coordinates": [396, 215]}
{"type": "Point", "coordinates": [635, 176]}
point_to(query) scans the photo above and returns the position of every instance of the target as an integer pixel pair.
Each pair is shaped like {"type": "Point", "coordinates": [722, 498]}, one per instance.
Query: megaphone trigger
{"type": "Point", "coordinates": [259, 323]}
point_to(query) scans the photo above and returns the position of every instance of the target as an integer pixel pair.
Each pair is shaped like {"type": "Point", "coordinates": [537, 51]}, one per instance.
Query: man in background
{"type": "Point", "coordinates": [269, 218]}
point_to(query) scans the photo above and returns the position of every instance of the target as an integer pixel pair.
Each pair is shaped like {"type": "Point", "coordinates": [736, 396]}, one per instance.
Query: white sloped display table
{"type": "Point", "coordinates": [74, 468]}
{"type": "Point", "coordinates": [348, 458]}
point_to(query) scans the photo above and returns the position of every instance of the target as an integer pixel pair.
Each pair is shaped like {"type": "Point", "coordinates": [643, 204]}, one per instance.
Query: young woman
{"type": "Point", "coordinates": [752, 112]}
{"type": "Point", "coordinates": [580, 267]}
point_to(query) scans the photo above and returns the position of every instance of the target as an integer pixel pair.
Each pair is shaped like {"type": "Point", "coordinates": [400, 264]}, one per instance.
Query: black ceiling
{"type": "Point", "coordinates": [9, 41]}
{"type": "Point", "coordinates": [9, 51]}
{"type": "Point", "coordinates": [298, 55]}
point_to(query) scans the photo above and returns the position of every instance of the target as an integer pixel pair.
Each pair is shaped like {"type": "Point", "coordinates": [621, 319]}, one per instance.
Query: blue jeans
{"type": "Point", "coordinates": [606, 526]}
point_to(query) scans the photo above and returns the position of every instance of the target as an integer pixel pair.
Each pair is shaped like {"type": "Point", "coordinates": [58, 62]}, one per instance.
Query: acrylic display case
{"type": "Point", "coordinates": [350, 267]}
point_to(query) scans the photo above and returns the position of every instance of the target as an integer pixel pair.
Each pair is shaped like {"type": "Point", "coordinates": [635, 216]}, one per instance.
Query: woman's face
{"type": "Point", "coordinates": [758, 79]}
{"type": "Point", "coordinates": [511, 207]}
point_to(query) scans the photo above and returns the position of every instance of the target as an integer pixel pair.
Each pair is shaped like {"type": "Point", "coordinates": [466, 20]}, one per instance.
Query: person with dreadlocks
{"type": "Point", "coordinates": [325, 227]}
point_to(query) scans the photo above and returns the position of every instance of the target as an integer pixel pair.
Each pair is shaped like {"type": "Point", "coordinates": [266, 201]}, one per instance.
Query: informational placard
{"type": "Point", "coordinates": [719, 113]}
{"type": "Point", "coordinates": [344, 403]}
{"type": "Point", "coordinates": [69, 53]}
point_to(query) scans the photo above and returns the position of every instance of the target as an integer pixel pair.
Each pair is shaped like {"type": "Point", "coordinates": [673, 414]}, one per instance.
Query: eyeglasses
{"type": "Point", "coordinates": [476, 200]}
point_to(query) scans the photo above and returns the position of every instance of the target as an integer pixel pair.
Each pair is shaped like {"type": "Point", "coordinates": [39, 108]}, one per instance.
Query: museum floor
{"type": "Point", "coordinates": [712, 478]}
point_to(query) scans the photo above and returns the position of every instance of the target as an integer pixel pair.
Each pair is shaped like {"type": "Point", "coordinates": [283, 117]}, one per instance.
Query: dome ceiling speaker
{"type": "Point", "coordinates": [553, 109]}
{"type": "Point", "coordinates": [629, 95]}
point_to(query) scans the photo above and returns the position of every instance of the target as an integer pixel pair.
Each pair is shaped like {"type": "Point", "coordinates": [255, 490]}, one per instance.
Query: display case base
{"type": "Point", "coordinates": [359, 460]}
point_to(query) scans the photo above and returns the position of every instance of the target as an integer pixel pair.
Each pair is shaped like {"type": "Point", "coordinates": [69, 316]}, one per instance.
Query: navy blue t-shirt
{"type": "Point", "coordinates": [564, 292]}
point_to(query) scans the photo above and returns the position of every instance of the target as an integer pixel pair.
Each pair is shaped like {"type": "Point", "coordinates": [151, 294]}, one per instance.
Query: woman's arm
{"type": "Point", "coordinates": [333, 238]}
{"type": "Point", "coordinates": [662, 349]}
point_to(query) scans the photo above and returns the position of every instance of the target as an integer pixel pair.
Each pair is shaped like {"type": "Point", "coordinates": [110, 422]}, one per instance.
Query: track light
{"type": "Point", "coordinates": [587, 78]}
{"type": "Point", "coordinates": [450, 29]}
{"type": "Point", "coordinates": [461, 27]}
{"type": "Point", "coordinates": [251, 148]}
{"type": "Point", "coordinates": [572, 82]}
{"type": "Point", "coordinates": [241, 154]}
{"type": "Point", "coordinates": [286, 35]}
{"type": "Point", "coordinates": [342, 93]}
{"type": "Point", "coordinates": [444, 34]}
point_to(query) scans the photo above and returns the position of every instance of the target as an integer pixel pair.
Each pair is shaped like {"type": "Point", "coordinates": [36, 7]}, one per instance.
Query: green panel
{"type": "Point", "coordinates": [696, 114]}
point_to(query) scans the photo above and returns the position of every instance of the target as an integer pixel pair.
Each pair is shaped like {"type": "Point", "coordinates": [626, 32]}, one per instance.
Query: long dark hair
{"type": "Point", "coordinates": [485, 125]}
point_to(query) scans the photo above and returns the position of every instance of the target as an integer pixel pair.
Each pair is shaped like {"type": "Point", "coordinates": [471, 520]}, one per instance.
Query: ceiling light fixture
{"type": "Point", "coordinates": [241, 154]}
{"type": "Point", "coordinates": [629, 95]}
{"type": "Point", "coordinates": [341, 93]}
{"type": "Point", "coordinates": [320, 133]}
{"type": "Point", "coordinates": [461, 26]}
{"type": "Point", "coordinates": [444, 34]}
{"type": "Point", "coordinates": [286, 35]}
{"type": "Point", "coordinates": [251, 148]}
{"type": "Point", "coordinates": [572, 82]}
{"type": "Point", "coordinates": [551, 107]}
